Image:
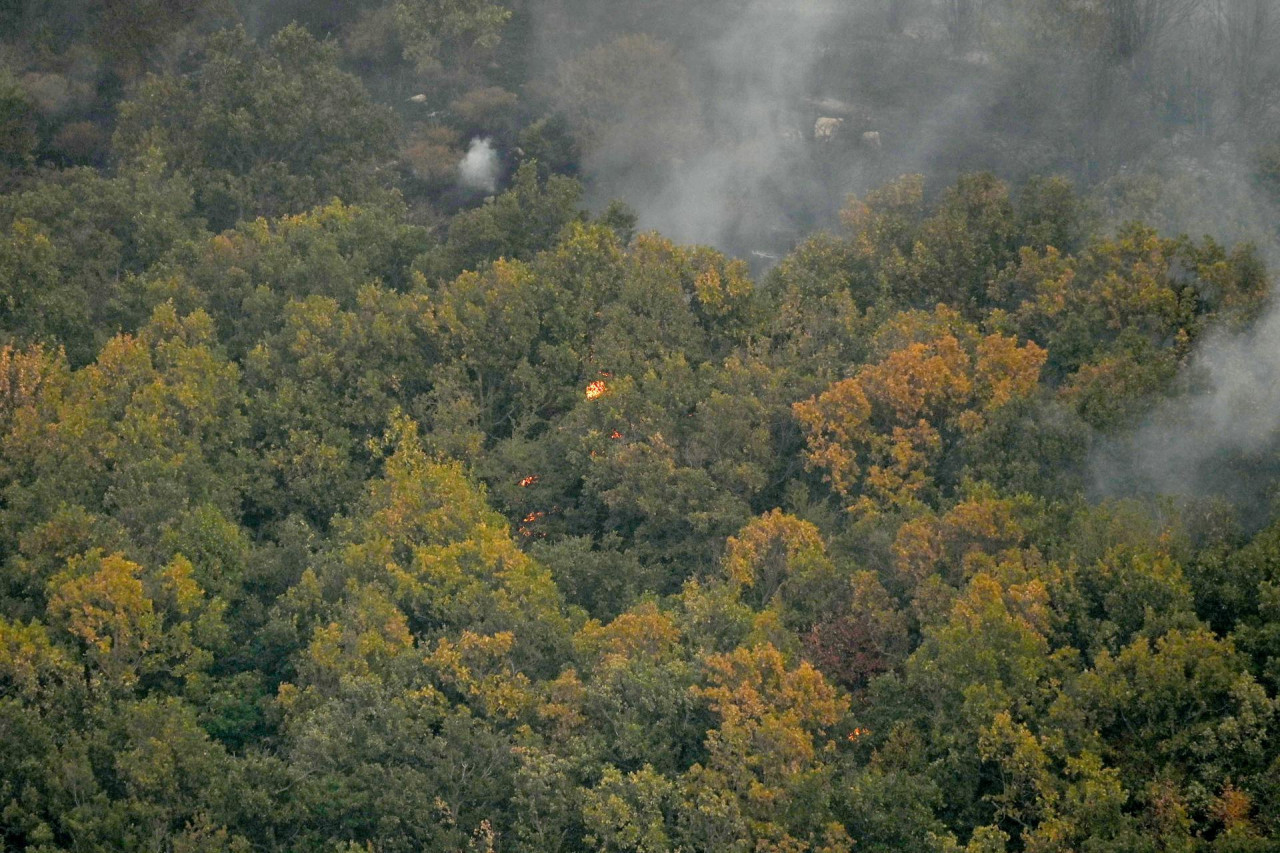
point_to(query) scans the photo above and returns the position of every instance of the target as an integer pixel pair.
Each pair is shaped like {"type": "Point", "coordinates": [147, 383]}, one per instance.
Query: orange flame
{"type": "Point", "coordinates": [596, 389]}
{"type": "Point", "coordinates": [529, 481]}
{"type": "Point", "coordinates": [858, 732]}
{"type": "Point", "coordinates": [615, 435]}
{"type": "Point", "coordinates": [533, 516]}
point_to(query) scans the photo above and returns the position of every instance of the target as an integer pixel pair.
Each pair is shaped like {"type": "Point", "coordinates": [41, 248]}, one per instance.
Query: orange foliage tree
{"type": "Point", "coordinates": [878, 435]}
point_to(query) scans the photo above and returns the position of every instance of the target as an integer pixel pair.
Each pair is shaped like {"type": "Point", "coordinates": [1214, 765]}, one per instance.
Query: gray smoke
{"type": "Point", "coordinates": [480, 167]}
{"type": "Point", "coordinates": [719, 143]}
{"type": "Point", "coordinates": [743, 184]}
{"type": "Point", "coordinates": [724, 156]}
{"type": "Point", "coordinates": [1221, 437]}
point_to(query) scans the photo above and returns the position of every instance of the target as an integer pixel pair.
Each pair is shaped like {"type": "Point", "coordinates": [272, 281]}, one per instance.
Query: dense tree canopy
{"type": "Point", "coordinates": [346, 509]}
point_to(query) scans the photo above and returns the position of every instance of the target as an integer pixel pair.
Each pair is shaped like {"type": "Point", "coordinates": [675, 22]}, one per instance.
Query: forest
{"type": "Point", "coordinates": [639, 426]}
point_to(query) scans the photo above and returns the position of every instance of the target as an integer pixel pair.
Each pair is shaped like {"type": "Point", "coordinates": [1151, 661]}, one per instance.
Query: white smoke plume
{"type": "Point", "coordinates": [480, 167]}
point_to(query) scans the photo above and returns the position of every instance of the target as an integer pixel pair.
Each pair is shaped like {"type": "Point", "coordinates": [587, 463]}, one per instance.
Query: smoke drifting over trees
{"type": "Point", "coordinates": [1106, 92]}
{"type": "Point", "coordinates": [1219, 436]}
{"type": "Point", "coordinates": [726, 155]}
{"type": "Point", "coordinates": [748, 127]}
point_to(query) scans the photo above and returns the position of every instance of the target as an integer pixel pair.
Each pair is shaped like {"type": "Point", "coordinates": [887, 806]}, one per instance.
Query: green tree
{"type": "Point", "coordinates": [262, 131]}
{"type": "Point", "coordinates": [17, 126]}
{"type": "Point", "coordinates": [436, 32]}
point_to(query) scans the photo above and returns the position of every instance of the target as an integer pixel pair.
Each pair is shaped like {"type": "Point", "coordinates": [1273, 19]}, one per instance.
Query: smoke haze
{"type": "Point", "coordinates": [1217, 438]}
{"type": "Point", "coordinates": [774, 111]}
{"type": "Point", "coordinates": [745, 183]}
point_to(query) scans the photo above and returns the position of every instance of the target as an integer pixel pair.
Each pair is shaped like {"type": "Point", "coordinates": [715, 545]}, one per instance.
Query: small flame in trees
{"type": "Point", "coordinates": [596, 389]}
{"type": "Point", "coordinates": [529, 481]}
{"type": "Point", "coordinates": [528, 532]}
